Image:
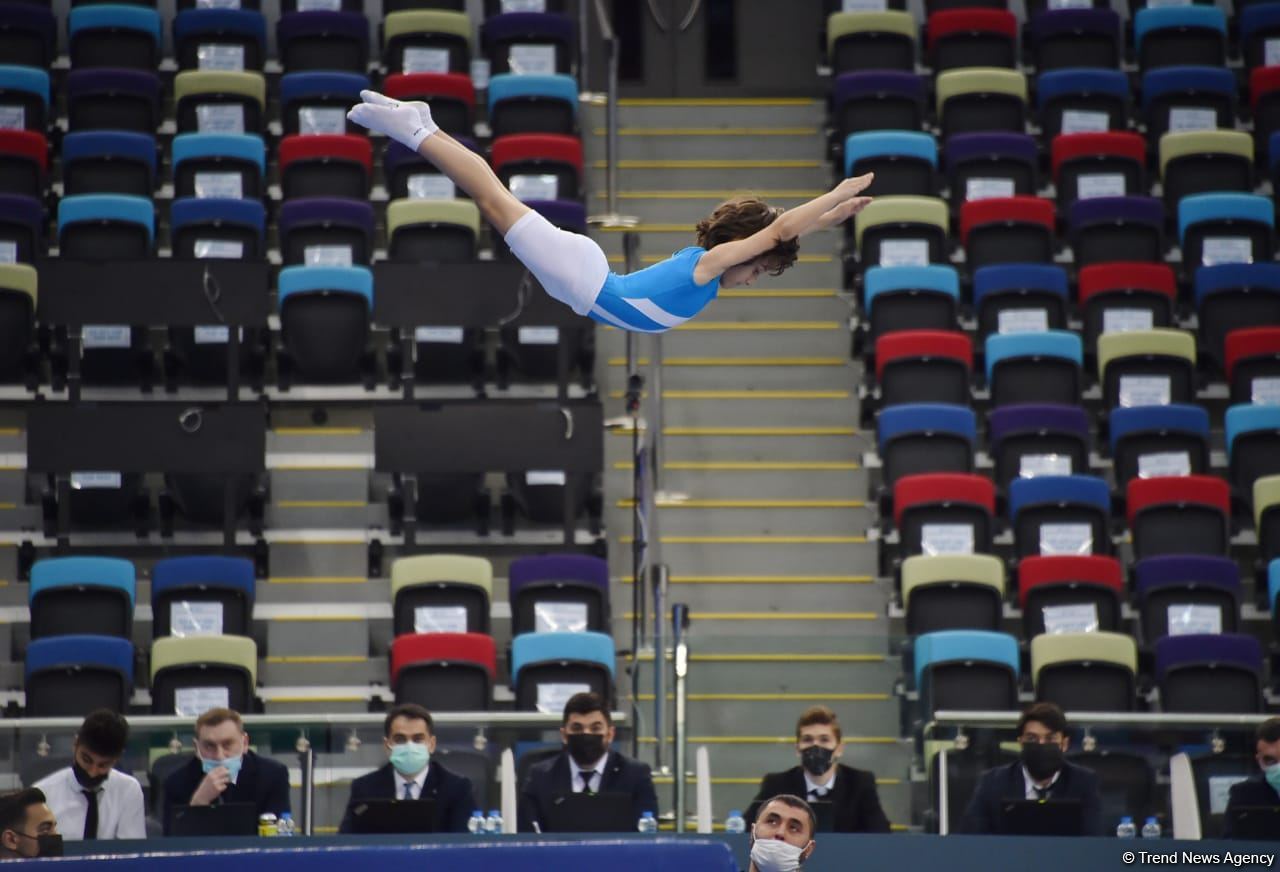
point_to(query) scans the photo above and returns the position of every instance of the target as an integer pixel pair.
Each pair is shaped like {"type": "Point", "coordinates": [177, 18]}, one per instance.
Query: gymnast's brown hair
{"type": "Point", "coordinates": [741, 217]}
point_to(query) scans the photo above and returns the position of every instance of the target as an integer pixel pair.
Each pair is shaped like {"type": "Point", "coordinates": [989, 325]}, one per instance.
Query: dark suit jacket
{"type": "Point", "coordinates": [552, 777]}
{"type": "Point", "coordinates": [1006, 784]}
{"type": "Point", "coordinates": [855, 805]}
{"type": "Point", "coordinates": [262, 781]}
{"type": "Point", "coordinates": [1253, 791]}
{"type": "Point", "coordinates": [452, 794]}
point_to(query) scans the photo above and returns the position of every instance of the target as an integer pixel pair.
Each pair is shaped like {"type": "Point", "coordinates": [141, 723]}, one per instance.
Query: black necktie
{"type": "Point", "coordinates": [91, 814]}
{"type": "Point", "coordinates": [586, 782]}
{"type": "Point", "coordinates": [818, 793]}
{"type": "Point", "coordinates": [408, 790]}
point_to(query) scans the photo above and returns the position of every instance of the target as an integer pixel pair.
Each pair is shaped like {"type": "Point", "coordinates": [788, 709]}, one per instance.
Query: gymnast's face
{"type": "Point", "coordinates": [744, 275]}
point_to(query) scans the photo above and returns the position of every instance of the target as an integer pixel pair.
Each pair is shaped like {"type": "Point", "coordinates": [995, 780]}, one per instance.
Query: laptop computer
{"type": "Point", "coordinates": [1050, 817]}
{"type": "Point", "coordinates": [1261, 823]}
{"type": "Point", "coordinates": [590, 813]}
{"type": "Point", "coordinates": [223, 819]}
{"type": "Point", "coordinates": [394, 816]}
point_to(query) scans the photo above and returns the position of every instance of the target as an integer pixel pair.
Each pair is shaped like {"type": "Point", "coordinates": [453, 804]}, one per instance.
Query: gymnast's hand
{"type": "Point", "coordinates": [407, 123]}
{"type": "Point", "coordinates": [850, 188]}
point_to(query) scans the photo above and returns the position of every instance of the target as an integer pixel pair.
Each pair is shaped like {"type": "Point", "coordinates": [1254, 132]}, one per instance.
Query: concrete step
{"type": "Point", "coordinates": [324, 589]}
{"type": "Point", "coordinates": [313, 486]}
{"type": "Point", "coordinates": [651, 142]}
{"type": "Point", "coordinates": [832, 481]}
{"type": "Point", "coordinates": [770, 442]}
{"type": "Point", "coordinates": [318, 557]}
{"type": "Point", "coordinates": [688, 113]}
{"type": "Point", "coordinates": [691, 206]}
{"type": "Point", "coordinates": [732, 408]}
{"type": "Point", "coordinates": [323, 670]}
{"type": "Point", "coordinates": [701, 175]}
{"type": "Point", "coordinates": [319, 636]}
{"type": "Point", "coordinates": [761, 517]}
{"type": "Point", "coordinates": [712, 593]}
{"type": "Point", "coordinates": [707, 338]}
{"type": "Point", "coordinates": [790, 672]}
{"type": "Point", "coordinates": [764, 555]}
{"type": "Point", "coordinates": [740, 371]}
{"type": "Point", "coordinates": [724, 714]}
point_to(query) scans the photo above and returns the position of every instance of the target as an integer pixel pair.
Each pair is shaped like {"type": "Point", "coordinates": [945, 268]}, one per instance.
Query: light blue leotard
{"type": "Point", "coordinates": [656, 298]}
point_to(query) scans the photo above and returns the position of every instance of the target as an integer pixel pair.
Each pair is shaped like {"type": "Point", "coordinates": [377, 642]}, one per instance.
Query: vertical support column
{"type": "Point", "coordinates": [680, 643]}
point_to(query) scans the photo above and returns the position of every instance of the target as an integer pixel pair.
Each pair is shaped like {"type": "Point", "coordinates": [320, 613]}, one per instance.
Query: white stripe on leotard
{"type": "Point", "coordinates": [617, 322]}
{"type": "Point", "coordinates": [654, 312]}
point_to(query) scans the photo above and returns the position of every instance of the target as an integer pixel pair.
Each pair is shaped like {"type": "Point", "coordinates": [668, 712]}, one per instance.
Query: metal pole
{"type": "Point", "coordinates": [658, 573]}
{"type": "Point", "coordinates": [680, 641]}
{"type": "Point", "coordinates": [307, 759]}
{"type": "Point", "coordinates": [611, 139]}
{"type": "Point", "coordinates": [584, 45]}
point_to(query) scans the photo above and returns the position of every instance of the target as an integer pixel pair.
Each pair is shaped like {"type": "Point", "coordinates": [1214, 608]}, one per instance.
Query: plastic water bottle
{"type": "Point", "coordinates": [475, 826]}
{"type": "Point", "coordinates": [648, 824]}
{"type": "Point", "coordinates": [1126, 830]}
{"type": "Point", "coordinates": [1151, 829]}
{"type": "Point", "coordinates": [735, 823]}
{"type": "Point", "coordinates": [493, 823]}
{"type": "Point", "coordinates": [285, 825]}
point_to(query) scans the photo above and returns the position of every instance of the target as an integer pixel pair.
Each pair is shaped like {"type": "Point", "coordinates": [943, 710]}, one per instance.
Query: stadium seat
{"type": "Point", "coordinates": [114, 35]}
{"type": "Point", "coordinates": [18, 297]}
{"type": "Point", "coordinates": [108, 162]}
{"type": "Point", "coordinates": [106, 227]}
{"type": "Point", "coordinates": [1091, 165]}
{"type": "Point", "coordinates": [446, 231]}
{"type": "Point", "coordinates": [1032, 367]}
{"type": "Point", "coordinates": [219, 102]}
{"type": "Point", "coordinates": [966, 670]}
{"type": "Point", "coordinates": [100, 99]}
{"type": "Point", "coordinates": [1253, 444]}
{"type": "Point", "coordinates": [1186, 594]}
{"type": "Point", "coordinates": [450, 499]}
{"type": "Point", "coordinates": [981, 99]}
{"type": "Point", "coordinates": [952, 592]}
{"type": "Point", "coordinates": [1252, 365]}
{"type": "Point", "coordinates": [529, 43]}
{"type": "Point", "coordinates": [1126, 783]}
{"type": "Point", "coordinates": [1038, 439]}
{"type": "Point", "coordinates": [317, 102]}
{"type": "Point", "coordinates": [871, 40]}
{"type": "Point", "coordinates": [559, 593]}
{"type": "Point", "coordinates": [548, 668]}
{"type": "Point", "coordinates": [24, 163]}
{"type": "Point", "coordinates": [923, 366]}
{"type": "Point", "coordinates": [902, 231]}
{"type": "Point", "coordinates": [1203, 162]}
{"type": "Point", "coordinates": [217, 228]}
{"type": "Point", "coordinates": [1086, 671]}
{"type": "Point", "coordinates": [28, 34]}
{"type": "Point", "coordinates": [1185, 98]}
{"type": "Point", "coordinates": [1210, 674]}
{"type": "Point", "coordinates": [877, 100]}
{"type": "Point", "coordinates": [219, 39]}
{"type": "Point", "coordinates": [441, 593]}
{"type": "Point", "coordinates": [325, 231]}
{"type": "Point", "coordinates": [82, 596]}
{"type": "Point", "coordinates": [533, 104]}
{"type": "Point", "coordinates": [448, 671]}
{"type": "Point", "coordinates": [1127, 295]}
{"type": "Point", "coordinates": [323, 40]}
{"type": "Point", "coordinates": [411, 176]}
{"type": "Point", "coordinates": [70, 676]}
{"type": "Point", "coordinates": [451, 95]}
{"type": "Point", "coordinates": [925, 437]}
{"type": "Point", "coordinates": [1155, 441]}
{"type": "Point", "coordinates": [971, 37]}
{"type": "Point", "coordinates": [1060, 515]}
{"type": "Point", "coordinates": [21, 220]}
{"type": "Point", "coordinates": [1109, 229]}
{"type": "Point", "coordinates": [192, 674]}
{"type": "Point", "coordinates": [324, 320]}
{"type": "Point", "coordinates": [1007, 230]}
{"type": "Point", "coordinates": [320, 166]}
{"type": "Point", "coordinates": [984, 165]}
{"type": "Point", "coordinates": [1082, 101]}
{"type": "Point", "coordinates": [24, 98]}
{"type": "Point", "coordinates": [1178, 514]}
{"type": "Point", "coordinates": [538, 496]}
{"type": "Point", "coordinates": [905, 162]}
{"type": "Point", "coordinates": [198, 596]}
{"type": "Point", "coordinates": [1264, 103]}
{"type": "Point", "coordinates": [965, 767]}
{"type": "Point", "coordinates": [1259, 25]}
{"type": "Point", "coordinates": [944, 513]}
{"type": "Point", "coordinates": [1070, 594]}
{"type": "Point", "coordinates": [539, 166]}
{"type": "Point", "coordinates": [1073, 38]}
{"type": "Point", "coordinates": [1020, 298]}
{"type": "Point", "coordinates": [1273, 570]}
{"type": "Point", "coordinates": [426, 41]}
{"type": "Point", "coordinates": [1146, 368]}
{"type": "Point", "coordinates": [910, 298]}
{"type": "Point", "coordinates": [1174, 36]}
{"type": "Point", "coordinates": [1239, 295]}
{"type": "Point", "coordinates": [1232, 229]}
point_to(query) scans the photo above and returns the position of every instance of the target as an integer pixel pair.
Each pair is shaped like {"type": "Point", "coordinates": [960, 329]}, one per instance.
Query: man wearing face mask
{"type": "Point", "coordinates": [225, 770]}
{"type": "Point", "coordinates": [587, 764]}
{"type": "Point", "coordinates": [91, 798]}
{"type": "Point", "coordinates": [413, 773]}
{"type": "Point", "coordinates": [782, 836]}
{"type": "Point", "coordinates": [1041, 773]}
{"type": "Point", "coordinates": [27, 826]}
{"type": "Point", "coordinates": [854, 802]}
{"type": "Point", "coordinates": [1262, 789]}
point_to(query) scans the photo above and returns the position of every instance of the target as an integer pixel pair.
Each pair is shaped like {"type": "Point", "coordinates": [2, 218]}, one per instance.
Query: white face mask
{"type": "Point", "coordinates": [775, 855]}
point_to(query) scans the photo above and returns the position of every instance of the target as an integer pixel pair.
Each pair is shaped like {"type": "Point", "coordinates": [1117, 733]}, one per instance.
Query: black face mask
{"type": "Point", "coordinates": [1042, 760]}
{"type": "Point", "coordinates": [47, 844]}
{"type": "Point", "coordinates": [816, 759]}
{"type": "Point", "coordinates": [585, 748]}
{"type": "Point", "coordinates": [84, 779]}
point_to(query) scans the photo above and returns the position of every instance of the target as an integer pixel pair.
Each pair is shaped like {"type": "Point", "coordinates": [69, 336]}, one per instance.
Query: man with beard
{"type": "Point", "coordinates": [91, 799]}
{"type": "Point", "coordinates": [1041, 773]}
{"type": "Point", "coordinates": [27, 826]}
{"type": "Point", "coordinates": [585, 765]}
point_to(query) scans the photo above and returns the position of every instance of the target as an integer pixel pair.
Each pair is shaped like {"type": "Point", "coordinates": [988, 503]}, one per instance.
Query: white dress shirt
{"type": "Point", "coordinates": [120, 810]}
{"type": "Point", "coordinates": [597, 779]}
{"type": "Point", "coordinates": [1031, 784]}
{"type": "Point", "coordinates": [417, 781]}
{"type": "Point", "coordinates": [810, 786]}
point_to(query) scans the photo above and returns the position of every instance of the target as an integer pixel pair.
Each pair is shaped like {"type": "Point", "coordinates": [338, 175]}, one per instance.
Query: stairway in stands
{"type": "Point", "coordinates": [760, 408]}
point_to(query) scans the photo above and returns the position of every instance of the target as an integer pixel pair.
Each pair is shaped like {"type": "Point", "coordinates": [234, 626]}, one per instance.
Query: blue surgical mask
{"type": "Point", "coordinates": [1272, 774]}
{"type": "Point", "coordinates": [410, 758]}
{"type": "Point", "coordinates": [231, 764]}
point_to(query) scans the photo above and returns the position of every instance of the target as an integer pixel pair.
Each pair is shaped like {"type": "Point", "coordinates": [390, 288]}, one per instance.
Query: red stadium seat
{"type": "Point", "coordinates": [1007, 230]}
{"type": "Point", "coordinates": [448, 671]}
{"type": "Point", "coordinates": [326, 165]}
{"type": "Point", "coordinates": [1189, 514]}
{"type": "Point", "coordinates": [924, 366]}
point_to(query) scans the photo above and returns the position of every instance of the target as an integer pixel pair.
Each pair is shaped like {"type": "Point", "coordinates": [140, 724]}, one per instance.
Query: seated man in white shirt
{"type": "Point", "coordinates": [91, 799]}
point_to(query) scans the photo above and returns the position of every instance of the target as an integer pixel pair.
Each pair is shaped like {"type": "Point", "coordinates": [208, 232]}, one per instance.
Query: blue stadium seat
{"type": "Point", "coordinates": [210, 595]}
{"type": "Point", "coordinates": [21, 223]}
{"type": "Point", "coordinates": [28, 33]}
{"type": "Point", "coordinates": [1031, 439]}
{"type": "Point", "coordinates": [1210, 674]}
{"type": "Point", "coordinates": [1082, 101]}
{"type": "Point", "coordinates": [220, 39]}
{"type": "Point", "coordinates": [202, 228]}
{"type": "Point", "coordinates": [82, 596]}
{"type": "Point", "coordinates": [1234, 296]}
{"type": "Point", "coordinates": [323, 40]}
{"type": "Point", "coordinates": [1060, 515]}
{"type": "Point", "coordinates": [109, 162]}
{"type": "Point", "coordinates": [1020, 297]}
{"type": "Point", "coordinates": [503, 36]}
{"type": "Point", "coordinates": [1180, 35]}
{"type": "Point", "coordinates": [325, 231]}
{"type": "Point", "coordinates": [967, 670]}
{"type": "Point", "coordinates": [910, 298]}
{"type": "Point", "coordinates": [114, 35]}
{"type": "Point", "coordinates": [1253, 444]}
{"type": "Point", "coordinates": [221, 165]}
{"type": "Point", "coordinates": [1273, 591]}
{"type": "Point", "coordinates": [106, 227]}
{"type": "Point", "coordinates": [70, 676]}
{"type": "Point", "coordinates": [1188, 98]}
{"type": "Point", "coordinates": [1180, 594]}
{"type": "Point", "coordinates": [1034, 367]}
{"type": "Point", "coordinates": [1259, 24]}
{"type": "Point", "coordinates": [1148, 441]}
{"type": "Point", "coordinates": [905, 162]}
{"type": "Point", "coordinates": [533, 104]}
{"type": "Point", "coordinates": [25, 90]}
{"type": "Point", "coordinates": [1106, 229]}
{"type": "Point", "coordinates": [1241, 225]}
{"type": "Point", "coordinates": [985, 165]}
{"type": "Point", "coordinates": [559, 593]}
{"type": "Point", "coordinates": [547, 668]}
{"type": "Point", "coordinates": [324, 319]}
{"type": "Point", "coordinates": [925, 437]}
{"type": "Point", "coordinates": [102, 99]}
{"type": "Point", "coordinates": [317, 102]}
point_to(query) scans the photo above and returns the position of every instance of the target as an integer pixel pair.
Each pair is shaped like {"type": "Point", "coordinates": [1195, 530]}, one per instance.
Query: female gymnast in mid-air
{"type": "Point", "coordinates": [743, 237]}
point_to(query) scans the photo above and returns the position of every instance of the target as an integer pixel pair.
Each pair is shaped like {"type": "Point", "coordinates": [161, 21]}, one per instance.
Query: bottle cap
{"type": "Point", "coordinates": [734, 812]}
{"type": "Point", "coordinates": [495, 812]}
{"type": "Point", "coordinates": [1126, 820]}
{"type": "Point", "coordinates": [647, 814]}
